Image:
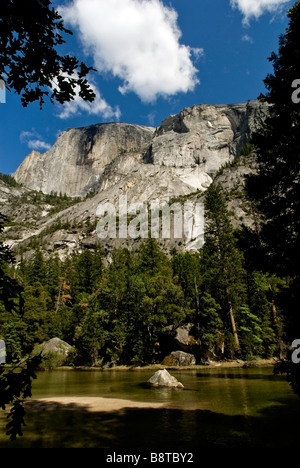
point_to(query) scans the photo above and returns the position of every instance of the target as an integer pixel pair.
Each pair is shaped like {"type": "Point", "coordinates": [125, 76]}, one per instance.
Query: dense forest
{"type": "Point", "coordinates": [241, 291]}
{"type": "Point", "coordinates": [117, 310]}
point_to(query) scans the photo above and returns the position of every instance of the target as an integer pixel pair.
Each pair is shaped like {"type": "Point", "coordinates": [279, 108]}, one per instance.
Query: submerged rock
{"type": "Point", "coordinates": [162, 378]}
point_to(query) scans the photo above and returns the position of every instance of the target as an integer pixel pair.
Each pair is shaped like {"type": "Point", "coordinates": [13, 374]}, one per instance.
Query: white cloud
{"type": "Point", "coordinates": [247, 38]}
{"type": "Point", "coordinates": [137, 41]}
{"type": "Point", "coordinates": [256, 8]}
{"type": "Point", "coordinates": [34, 141]}
{"type": "Point", "coordinates": [98, 107]}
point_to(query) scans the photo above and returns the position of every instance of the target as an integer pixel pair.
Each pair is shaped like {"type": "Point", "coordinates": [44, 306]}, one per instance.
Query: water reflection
{"type": "Point", "coordinates": [233, 408]}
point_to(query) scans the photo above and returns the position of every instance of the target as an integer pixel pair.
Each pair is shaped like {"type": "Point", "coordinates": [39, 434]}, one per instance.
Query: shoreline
{"type": "Point", "coordinates": [235, 363]}
{"type": "Point", "coordinates": [107, 404]}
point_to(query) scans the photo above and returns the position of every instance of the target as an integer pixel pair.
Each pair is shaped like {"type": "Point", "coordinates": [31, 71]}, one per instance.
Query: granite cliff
{"type": "Point", "coordinates": [81, 154]}
{"type": "Point", "coordinates": [92, 165]}
{"type": "Point", "coordinates": [186, 150]}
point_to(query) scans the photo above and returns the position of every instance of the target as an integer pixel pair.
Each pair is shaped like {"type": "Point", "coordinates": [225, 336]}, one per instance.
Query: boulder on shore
{"type": "Point", "coordinates": [56, 345]}
{"type": "Point", "coordinates": [184, 338]}
{"type": "Point", "coordinates": [179, 358]}
{"type": "Point", "coordinates": [54, 351]}
{"type": "Point", "coordinates": [162, 378]}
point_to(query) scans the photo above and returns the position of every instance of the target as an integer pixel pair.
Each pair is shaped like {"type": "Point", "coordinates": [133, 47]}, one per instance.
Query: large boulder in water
{"type": "Point", "coordinates": [162, 378]}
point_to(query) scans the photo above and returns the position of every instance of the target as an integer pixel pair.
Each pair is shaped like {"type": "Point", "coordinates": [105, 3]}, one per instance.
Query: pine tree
{"type": "Point", "coordinates": [162, 305]}
{"type": "Point", "coordinates": [35, 316]}
{"type": "Point", "coordinates": [276, 187]}
{"type": "Point", "coordinates": [52, 275]}
{"type": "Point", "coordinates": [186, 267]}
{"type": "Point", "coordinates": [90, 335]}
{"type": "Point", "coordinates": [36, 269]}
{"type": "Point", "coordinates": [210, 325]}
{"type": "Point", "coordinates": [88, 268]}
{"type": "Point", "coordinates": [222, 262]}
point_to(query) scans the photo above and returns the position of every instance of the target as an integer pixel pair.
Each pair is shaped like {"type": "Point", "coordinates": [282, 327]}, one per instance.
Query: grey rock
{"type": "Point", "coordinates": [182, 155]}
{"type": "Point", "coordinates": [206, 136]}
{"type": "Point", "coordinates": [179, 358]}
{"type": "Point", "coordinates": [76, 162]}
{"type": "Point", "coordinates": [57, 346]}
{"type": "Point", "coordinates": [179, 160]}
{"type": "Point", "coordinates": [162, 378]}
{"type": "Point", "coordinates": [182, 338]}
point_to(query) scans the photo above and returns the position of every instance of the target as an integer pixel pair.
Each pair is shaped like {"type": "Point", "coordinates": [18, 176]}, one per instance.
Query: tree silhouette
{"type": "Point", "coordinates": [276, 187]}
{"type": "Point", "coordinates": [30, 64]}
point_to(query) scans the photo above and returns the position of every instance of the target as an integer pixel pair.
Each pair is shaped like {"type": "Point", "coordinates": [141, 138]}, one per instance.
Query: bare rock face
{"type": "Point", "coordinates": [76, 162]}
{"type": "Point", "coordinates": [162, 378]}
{"type": "Point", "coordinates": [181, 156]}
{"type": "Point", "coordinates": [178, 161]}
{"type": "Point", "coordinates": [205, 136]}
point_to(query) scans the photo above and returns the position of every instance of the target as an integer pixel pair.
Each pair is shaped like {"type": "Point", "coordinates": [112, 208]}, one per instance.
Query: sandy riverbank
{"type": "Point", "coordinates": [92, 404]}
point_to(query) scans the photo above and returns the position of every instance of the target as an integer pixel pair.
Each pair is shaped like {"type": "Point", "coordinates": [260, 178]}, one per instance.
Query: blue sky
{"type": "Point", "coordinates": [153, 59]}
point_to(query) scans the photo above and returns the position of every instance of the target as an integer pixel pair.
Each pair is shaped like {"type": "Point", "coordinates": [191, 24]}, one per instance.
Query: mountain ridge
{"type": "Point", "coordinates": [191, 150]}
{"type": "Point", "coordinates": [196, 142]}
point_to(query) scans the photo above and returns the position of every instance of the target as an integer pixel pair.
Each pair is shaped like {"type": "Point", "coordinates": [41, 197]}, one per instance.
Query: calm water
{"type": "Point", "coordinates": [216, 408]}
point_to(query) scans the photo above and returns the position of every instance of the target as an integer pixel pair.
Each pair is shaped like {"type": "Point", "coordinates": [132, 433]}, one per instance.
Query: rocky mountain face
{"type": "Point", "coordinates": [94, 165]}
{"type": "Point", "coordinates": [187, 149]}
{"type": "Point", "coordinates": [81, 155]}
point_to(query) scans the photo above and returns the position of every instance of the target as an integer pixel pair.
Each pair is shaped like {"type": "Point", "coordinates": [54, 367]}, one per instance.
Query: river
{"type": "Point", "coordinates": [217, 408]}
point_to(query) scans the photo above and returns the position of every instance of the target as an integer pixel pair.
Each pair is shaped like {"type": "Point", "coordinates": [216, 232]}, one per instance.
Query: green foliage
{"type": "Point", "coordinates": [224, 273]}
{"type": "Point", "coordinates": [15, 387]}
{"type": "Point", "coordinates": [186, 268]}
{"type": "Point", "coordinates": [244, 297]}
{"type": "Point", "coordinates": [29, 59]}
{"type": "Point", "coordinates": [34, 315]}
{"type": "Point", "coordinates": [250, 332]}
{"type": "Point", "coordinates": [247, 149]}
{"type": "Point", "coordinates": [118, 311]}
{"type": "Point", "coordinates": [276, 186]}
{"type": "Point", "coordinates": [58, 202]}
{"type": "Point", "coordinates": [210, 323]}
{"type": "Point", "coordinates": [9, 180]}
{"type": "Point", "coordinates": [276, 189]}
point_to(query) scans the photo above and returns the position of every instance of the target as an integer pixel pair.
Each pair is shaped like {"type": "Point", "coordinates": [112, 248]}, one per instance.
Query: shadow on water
{"type": "Point", "coordinates": [244, 376]}
{"type": "Point", "coordinates": [50, 425]}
